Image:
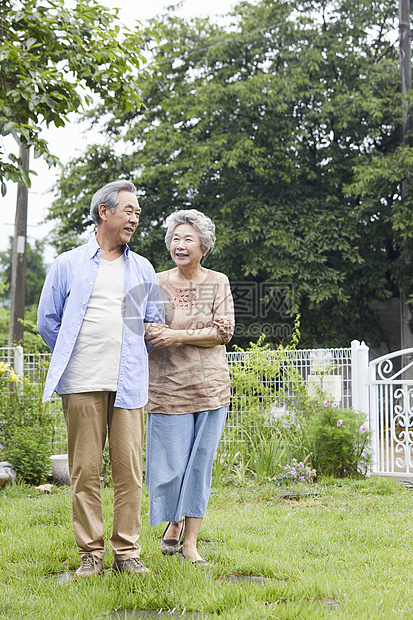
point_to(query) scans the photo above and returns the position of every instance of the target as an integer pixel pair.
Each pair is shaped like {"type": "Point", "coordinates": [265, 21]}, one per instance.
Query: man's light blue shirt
{"type": "Point", "coordinates": [62, 306]}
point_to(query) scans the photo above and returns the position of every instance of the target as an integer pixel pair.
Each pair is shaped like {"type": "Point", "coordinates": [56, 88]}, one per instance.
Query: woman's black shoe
{"type": "Point", "coordinates": [169, 546]}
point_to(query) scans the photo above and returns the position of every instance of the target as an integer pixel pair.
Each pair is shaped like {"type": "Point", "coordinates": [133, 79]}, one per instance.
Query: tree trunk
{"type": "Point", "coordinates": [18, 263]}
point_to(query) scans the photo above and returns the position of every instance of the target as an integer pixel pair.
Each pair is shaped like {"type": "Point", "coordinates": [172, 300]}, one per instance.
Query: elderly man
{"type": "Point", "coordinates": [92, 310]}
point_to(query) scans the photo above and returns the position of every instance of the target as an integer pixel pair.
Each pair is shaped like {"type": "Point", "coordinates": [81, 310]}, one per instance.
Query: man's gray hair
{"type": "Point", "coordinates": [108, 195]}
{"type": "Point", "coordinates": [204, 226]}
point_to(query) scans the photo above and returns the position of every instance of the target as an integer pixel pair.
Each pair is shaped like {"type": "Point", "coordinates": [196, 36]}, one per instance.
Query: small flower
{"type": "Point", "coordinates": [326, 403]}
{"type": "Point", "coordinates": [362, 429]}
{"type": "Point", "coordinates": [4, 367]}
{"type": "Point", "coordinates": [340, 422]}
{"type": "Point", "coordinates": [13, 377]}
{"type": "Point", "coordinates": [335, 404]}
{"type": "Point", "coordinates": [298, 472]}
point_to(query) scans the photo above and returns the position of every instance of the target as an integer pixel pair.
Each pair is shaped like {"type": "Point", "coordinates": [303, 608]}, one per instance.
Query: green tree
{"type": "Point", "coordinates": [53, 59]}
{"type": "Point", "coordinates": [261, 124]}
{"type": "Point", "coordinates": [35, 271]}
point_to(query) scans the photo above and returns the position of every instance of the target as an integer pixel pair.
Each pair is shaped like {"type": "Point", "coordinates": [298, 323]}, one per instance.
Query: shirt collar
{"type": "Point", "coordinates": [94, 247]}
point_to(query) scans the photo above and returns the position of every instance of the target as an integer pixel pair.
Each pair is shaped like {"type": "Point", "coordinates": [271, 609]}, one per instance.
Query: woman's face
{"type": "Point", "coordinates": [186, 248]}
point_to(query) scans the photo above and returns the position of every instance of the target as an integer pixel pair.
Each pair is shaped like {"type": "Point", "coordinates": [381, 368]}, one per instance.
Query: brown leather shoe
{"type": "Point", "coordinates": [132, 565]}
{"type": "Point", "coordinates": [90, 565]}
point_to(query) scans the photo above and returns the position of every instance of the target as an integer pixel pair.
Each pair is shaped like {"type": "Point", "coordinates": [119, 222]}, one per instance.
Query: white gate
{"type": "Point", "coordinates": [391, 413]}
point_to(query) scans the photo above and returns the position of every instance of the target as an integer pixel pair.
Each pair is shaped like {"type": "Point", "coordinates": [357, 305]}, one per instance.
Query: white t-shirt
{"type": "Point", "coordinates": [94, 363]}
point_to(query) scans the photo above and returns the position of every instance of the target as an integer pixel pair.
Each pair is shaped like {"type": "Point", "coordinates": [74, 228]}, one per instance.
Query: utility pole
{"type": "Point", "coordinates": [405, 49]}
{"type": "Point", "coordinates": [18, 262]}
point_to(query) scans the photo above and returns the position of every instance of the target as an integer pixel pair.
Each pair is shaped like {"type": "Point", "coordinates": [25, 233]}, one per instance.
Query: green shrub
{"type": "Point", "coordinates": [29, 453]}
{"type": "Point", "coordinates": [340, 441]}
{"type": "Point", "coordinates": [25, 427]}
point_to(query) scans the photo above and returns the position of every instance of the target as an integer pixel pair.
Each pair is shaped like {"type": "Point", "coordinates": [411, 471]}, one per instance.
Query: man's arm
{"type": "Point", "coordinates": [155, 308]}
{"type": "Point", "coordinates": [51, 305]}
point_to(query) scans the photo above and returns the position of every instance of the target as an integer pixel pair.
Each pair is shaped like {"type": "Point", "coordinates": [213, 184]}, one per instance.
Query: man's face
{"type": "Point", "coordinates": [121, 224]}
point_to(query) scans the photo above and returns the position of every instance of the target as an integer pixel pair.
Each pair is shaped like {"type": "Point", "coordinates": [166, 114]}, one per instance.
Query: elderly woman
{"type": "Point", "coordinates": [189, 387]}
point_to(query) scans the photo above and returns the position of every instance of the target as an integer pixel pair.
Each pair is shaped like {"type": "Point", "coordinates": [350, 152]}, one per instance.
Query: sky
{"type": "Point", "coordinates": [70, 141]}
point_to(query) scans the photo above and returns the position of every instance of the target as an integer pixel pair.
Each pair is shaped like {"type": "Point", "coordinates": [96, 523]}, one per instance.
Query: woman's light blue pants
{"type": "Point", "coordinates": [180, 451]}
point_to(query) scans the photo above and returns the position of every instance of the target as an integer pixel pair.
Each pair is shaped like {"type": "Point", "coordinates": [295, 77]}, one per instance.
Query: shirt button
{"type": "Point", "coordinates": [78, 322]}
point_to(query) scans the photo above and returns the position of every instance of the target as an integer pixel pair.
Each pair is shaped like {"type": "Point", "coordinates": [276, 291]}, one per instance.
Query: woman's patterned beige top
{"type": "Point", "coordinates": [185, 378]}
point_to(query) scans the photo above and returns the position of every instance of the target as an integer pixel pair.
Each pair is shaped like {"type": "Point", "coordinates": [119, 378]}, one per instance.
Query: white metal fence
{"type": "Point", "coordinates": [381, 389]}
{"type": "Point", "coordinates": [333, 365]}
{"type": "Point", "coordinates": [338, 362]}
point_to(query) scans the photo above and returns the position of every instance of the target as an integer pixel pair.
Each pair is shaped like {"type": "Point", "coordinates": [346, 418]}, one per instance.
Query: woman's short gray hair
{"type": "Point", "coordinates": [204, 226]}
{"type": "Point", "coordinates": [108, 195]}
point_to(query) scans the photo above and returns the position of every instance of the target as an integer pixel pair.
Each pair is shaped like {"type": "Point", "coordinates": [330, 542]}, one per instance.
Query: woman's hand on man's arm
{"type": "Point", "coordinates": [161, 336]}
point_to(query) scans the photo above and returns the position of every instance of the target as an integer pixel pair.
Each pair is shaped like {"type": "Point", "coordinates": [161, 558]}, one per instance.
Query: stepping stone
{"type": "Point", "coordinates": [329, 603]}
{"type": "Point", "coordinates": [255, 579]}
{"type": "Point", "coordinates": [296, 494]}
{"type": "Point", "coordinates": [70, 575]}
{"type": "Point", "coordinates": [62, 577]}
{"type": "Point", "coordinates": [132, 614]}
{"type": "Point", "coordinates": [210, 546]}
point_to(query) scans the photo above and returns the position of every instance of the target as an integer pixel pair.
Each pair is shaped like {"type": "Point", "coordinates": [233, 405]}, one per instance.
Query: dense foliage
{"type": "Point", "coordinates": [50, 55]}
{"type": "Point", "coordinates": [268, 125]}
{"type": "Point", "coordinates": [35, 271]}
{"type": "Point", "coordinates": [33, 342]}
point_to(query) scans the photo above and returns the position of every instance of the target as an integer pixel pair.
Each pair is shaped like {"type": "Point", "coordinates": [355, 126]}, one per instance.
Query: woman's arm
{"type": "Point", "coordinates": [160, 336]}
{"type": "Point", "coordinates": [218, 331]}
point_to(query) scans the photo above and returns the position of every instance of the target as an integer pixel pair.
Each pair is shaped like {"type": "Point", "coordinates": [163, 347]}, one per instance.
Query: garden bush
{"type": "Point", "coordinates": [340, 441]}
{"type": "Point", "coordinates": [29, 453]}
{"type": "Point", "coordinates": [26, 427]}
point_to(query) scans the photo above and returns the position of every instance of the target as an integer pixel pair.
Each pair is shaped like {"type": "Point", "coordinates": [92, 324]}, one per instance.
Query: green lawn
{"type": "Point", "coordinates": [345, 553]}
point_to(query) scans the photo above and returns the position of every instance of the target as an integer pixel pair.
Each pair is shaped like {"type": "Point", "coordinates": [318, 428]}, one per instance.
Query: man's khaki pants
{"type": "Point", "coordinates": [88, 416]}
